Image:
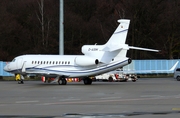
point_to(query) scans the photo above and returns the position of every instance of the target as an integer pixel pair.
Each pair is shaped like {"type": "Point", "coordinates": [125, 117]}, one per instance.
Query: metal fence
{"type": "Point", "coordinates": [2, 72]}
{"type": "Point", "coordinates": [151, 65]}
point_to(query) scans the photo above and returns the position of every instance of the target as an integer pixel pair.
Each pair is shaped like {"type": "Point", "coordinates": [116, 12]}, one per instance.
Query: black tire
{"type": "Point", "coordinates": [21, 82]}
{"type": "Point", "coordinates": [60, 82]}
{"type": "Point", "coordinates": [87, 81]}
{"type": "Point", "coordinates": [64, 82]}
{"type": "Point", "coordinates": [110, 79]}
{"type": "Point", "coordinates": [134, 80]}
{"type": "Point", "coordinates": [178, 78]}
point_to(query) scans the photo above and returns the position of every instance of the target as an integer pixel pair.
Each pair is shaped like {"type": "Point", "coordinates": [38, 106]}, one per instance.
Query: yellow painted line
{"type": "Point", "coordinates": [176, 109]}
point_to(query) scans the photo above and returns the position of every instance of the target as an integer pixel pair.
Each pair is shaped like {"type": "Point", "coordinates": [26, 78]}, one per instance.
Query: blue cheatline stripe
{"type": "Point", "coordinates": [77, 71]}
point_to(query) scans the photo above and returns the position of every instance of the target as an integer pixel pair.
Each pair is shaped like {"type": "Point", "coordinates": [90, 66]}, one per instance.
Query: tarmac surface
{"type": "Point", "coordinates": [148, 97]}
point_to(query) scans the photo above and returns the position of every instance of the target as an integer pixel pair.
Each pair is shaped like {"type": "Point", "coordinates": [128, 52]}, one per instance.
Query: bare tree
{"type": "Point", "coordinates": [41, 18]}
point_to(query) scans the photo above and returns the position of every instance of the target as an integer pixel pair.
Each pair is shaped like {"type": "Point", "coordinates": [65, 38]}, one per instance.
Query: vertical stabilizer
{"type": "Point", "coordinates": [120, 34]}
{"type": "Point", "coordinates": [115, 49]}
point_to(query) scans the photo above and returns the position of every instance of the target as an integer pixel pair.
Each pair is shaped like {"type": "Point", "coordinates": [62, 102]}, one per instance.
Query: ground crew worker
{"type": "Point", "coordinates": [17, 77]}
{"type": "Point", "coordinates": [21, 80]}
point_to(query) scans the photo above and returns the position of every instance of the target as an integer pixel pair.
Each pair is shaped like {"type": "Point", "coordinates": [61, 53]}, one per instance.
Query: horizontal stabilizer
{"type": "Point", "coordinates": [145, 49]}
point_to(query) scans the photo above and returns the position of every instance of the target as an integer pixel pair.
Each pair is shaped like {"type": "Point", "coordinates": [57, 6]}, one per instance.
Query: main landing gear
{"type": "Point", "coordinates": [87, 81]}
{"type": "Point", "coordinates": [62, 81]}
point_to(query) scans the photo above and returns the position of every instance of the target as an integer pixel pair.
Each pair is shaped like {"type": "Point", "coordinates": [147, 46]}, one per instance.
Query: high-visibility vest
{"type": "Point", "coordinates": [18, 77]}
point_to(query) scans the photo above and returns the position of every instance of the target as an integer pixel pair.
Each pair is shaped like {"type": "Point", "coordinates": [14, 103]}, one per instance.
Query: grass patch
{"type": "Point", "coordinates": [12, 78]}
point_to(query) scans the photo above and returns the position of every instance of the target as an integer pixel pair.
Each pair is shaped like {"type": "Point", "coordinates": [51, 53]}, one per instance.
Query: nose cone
{"type": "Point", "coordinates": [6, 68]}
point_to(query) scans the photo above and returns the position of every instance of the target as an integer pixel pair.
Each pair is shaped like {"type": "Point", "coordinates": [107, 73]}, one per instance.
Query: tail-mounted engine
{"type": "Point", "coordinates": [85, 61]}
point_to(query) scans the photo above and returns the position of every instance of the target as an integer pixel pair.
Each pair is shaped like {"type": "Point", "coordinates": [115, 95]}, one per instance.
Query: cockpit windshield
{"type": "Point", "coordinates": [13, 60]}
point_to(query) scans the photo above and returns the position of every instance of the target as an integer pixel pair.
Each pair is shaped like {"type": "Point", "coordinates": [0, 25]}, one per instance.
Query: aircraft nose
{"type": "Point", "coordinates": [6, 68]}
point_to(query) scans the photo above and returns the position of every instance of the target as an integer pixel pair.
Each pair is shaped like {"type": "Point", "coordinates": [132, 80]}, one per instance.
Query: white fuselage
{"type": "Point", "coordinates": [62, 65]}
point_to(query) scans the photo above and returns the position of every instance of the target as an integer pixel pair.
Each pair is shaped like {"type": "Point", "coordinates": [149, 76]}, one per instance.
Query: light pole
{"type": "Point", "coordinates": [61, 27]}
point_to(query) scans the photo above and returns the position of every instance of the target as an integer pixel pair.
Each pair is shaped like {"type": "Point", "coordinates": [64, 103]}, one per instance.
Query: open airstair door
{"type": "Point", "coordinates": [21, 66]}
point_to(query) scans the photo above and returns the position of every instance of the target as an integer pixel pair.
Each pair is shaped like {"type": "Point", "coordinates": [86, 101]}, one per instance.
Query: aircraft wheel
{"type": "Point", "coordinates": [178, 78]}
{"type": "Point", "coordinates": [87, 81]}
{"type": "Point", "coordinates": [90, 81]}
{"type": "Point", "coordinates": [21, 82]}
{"type": "Point", "coordinates": [110, 79]}
{"type": "Point", "coordinates": [59, 81]}
{"type": "Point", "coordinates": [134, 80]}
{"type": "Point", "coordinates": [64, 82]}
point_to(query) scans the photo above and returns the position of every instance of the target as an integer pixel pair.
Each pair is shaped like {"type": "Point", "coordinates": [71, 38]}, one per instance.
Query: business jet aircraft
{"type": "Point", "coordinates": [97, 59]}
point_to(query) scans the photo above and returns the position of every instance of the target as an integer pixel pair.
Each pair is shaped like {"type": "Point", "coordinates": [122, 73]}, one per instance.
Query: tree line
{"type": "Point", "coordinates": [32, 26]}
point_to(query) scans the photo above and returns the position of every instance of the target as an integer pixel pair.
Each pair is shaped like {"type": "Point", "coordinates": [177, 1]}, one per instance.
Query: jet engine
{"type": "Point", "coordinates": [85, 61]}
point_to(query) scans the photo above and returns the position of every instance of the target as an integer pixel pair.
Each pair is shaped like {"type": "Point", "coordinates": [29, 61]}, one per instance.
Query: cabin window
{"type": "Point", "coordinates": [32, 62]}
{"type": "Point", "coordinates": [50, 62]}
{"type": "Point", "coordinates": [65, 62]}
{"type": "Point", "coordinates": [68, 62]}
{"type": "Point", "coordinates": [59, 62]}
{"type": "Point", "coordinates": [62, 62]}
